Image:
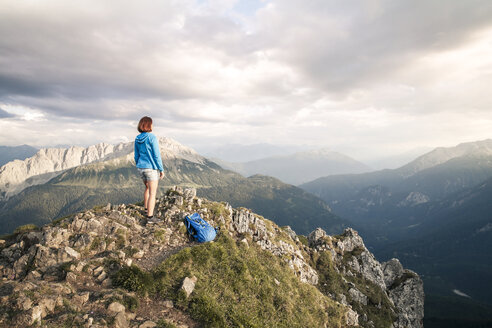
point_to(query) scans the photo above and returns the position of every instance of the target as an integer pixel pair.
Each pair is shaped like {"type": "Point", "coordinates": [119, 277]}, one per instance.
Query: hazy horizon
{"type": "Point", "coordinates": [243, 153]}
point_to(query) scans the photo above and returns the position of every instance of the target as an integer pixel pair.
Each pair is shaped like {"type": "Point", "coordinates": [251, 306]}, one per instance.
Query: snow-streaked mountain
{"type": "Point", "coordinates": [443, 154]}
{"type": "Point", "coordinates": [299, 167]}
{"type": "Point", "coordinates": [47, 163]}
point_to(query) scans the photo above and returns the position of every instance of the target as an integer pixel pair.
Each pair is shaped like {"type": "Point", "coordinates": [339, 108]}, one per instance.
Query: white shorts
{"type": "Point", "coordinates": [149, 174]}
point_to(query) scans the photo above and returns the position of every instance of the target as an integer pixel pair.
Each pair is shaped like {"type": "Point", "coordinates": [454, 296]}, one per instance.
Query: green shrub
{"type": "Point", "coordinates": [131, 303]}
{"type": "Point", "coordinates": [303, 239]}
{"type": "Point", "coordinates": [164, 324]}
{"type": "Point", "coordinates": [130, 251]}
{"type": "Point", "coordinates": [96, 243]}
{"type": "Point", "coordinates": [134, 279]}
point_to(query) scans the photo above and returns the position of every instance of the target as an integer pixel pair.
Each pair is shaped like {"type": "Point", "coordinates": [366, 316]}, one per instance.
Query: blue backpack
{"type": "Point", "coordinates": [199, 229]}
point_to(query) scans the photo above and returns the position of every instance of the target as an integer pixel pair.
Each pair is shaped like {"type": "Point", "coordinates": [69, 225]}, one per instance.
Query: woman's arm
{"type": "Point", "coordinates": [156, 152]}
{"type": "Point", "coordinates": [135, 151]}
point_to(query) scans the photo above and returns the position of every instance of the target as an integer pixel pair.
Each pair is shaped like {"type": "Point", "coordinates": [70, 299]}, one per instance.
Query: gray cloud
{"type": "Point", "coordinates": [5, 114]}
{"type": "Point", "coordinates": [307, 72]}
{"type": "Point", "coordinates": [350, 44]}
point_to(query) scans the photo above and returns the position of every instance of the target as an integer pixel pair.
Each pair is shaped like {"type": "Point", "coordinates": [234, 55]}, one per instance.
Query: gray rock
{"type": "Point", "coordinates": [35, 314]}
{"type": "Point", "coordinates": [102, 277]}
{"type": "Point", "coordinates": [120, 320]}
{"type": "Point", "coordinates": [24, 303]}
{"type": "Point", "coordinates": [148, 324]}
{"type": "Point", "coordinates": [116, 307]}
{"type": "Point", "coordinates": [315, 236]}
{"type": "Point", "coordinates": [80, 299]}
{"type": "Point", "coordinates": [350, 241]}
{"type": "Point", "coordinates": [357, 296]}
{"type": "Point", "coordinates": [406, 291]}
{"type": "Point", "coordinates": [178, 200]}
{"type": "Point", "coordinates": [290, 232]}
{"type": "Point", "coordinates": [71, 277]}
{"type": "Point", "coordinates": [244, 241]}
{"type": "Point", "coordinates": [392, 270]}
{"type": "Point", "coordinates": [47, 306]}
{"type": "Point", "coordinates": [351, 318]}
{"type": "Point", "coordinates": [189, 194]}
{"type": "Point", "coordinates": [20, 266]}
{"type": "Point", "coordinates": [189, 285]}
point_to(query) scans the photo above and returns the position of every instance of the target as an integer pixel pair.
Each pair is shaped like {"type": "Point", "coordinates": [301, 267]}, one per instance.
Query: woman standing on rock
{"type": "Point", "coordinates": [149, 162]}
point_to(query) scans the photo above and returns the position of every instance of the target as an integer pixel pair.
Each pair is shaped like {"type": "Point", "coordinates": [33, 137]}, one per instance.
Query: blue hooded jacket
{"type": "Point", "coordinates": [147, 152]}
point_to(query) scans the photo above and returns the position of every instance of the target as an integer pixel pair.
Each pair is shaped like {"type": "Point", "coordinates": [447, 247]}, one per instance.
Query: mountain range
{"type": "Point", "coordinates": [108, 174]}
{"type": "Point", "coordinates": [393, 199]}
{"type": "Point", "coordinates": [238, 153]}
{"type": "Point", "coordinates": [299, 167]}
{"type": "Point", "coordinates": [434, 214]}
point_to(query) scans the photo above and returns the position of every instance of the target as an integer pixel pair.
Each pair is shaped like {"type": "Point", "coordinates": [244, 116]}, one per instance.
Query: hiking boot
{"type": "Point", "coordinates": [152, 220]}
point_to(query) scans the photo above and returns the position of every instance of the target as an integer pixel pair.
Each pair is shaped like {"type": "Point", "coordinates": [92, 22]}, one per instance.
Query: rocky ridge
{"type": "Point", "coordinates": [403, 287]}
{"type": "Point", "coordinates": [64, 273]}
{"type": "Point", "coordinates": [48, 163]}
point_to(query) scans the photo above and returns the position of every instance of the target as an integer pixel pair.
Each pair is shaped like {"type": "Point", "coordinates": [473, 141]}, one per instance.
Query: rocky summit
{"type": "Point", "coordinates": [108, 267]}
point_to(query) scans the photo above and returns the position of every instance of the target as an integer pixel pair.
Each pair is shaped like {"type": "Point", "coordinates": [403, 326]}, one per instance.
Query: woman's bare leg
{"type": "Point", "coordinates": [152, 192]}
{"type": "Point", "coordinates": [146, 195]}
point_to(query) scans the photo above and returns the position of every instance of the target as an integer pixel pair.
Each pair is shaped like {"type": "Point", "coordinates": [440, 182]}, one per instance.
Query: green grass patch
{"type": "Point", "coordinates": [130, 251]}
{"type": "Point", "coordinates": [134, 279]}
{"type": "Point", "coordinates": [26, 228]}
{"type": "Point", "coordinates": [217, 209]}
{"type": "Point", "coordinates": [62, 222]}
{"type": "Point", "coordinates": [303, 239]}
{"type": "Point", "coordinates": [171, 192]}
{"type": "Point", "coordinates": [330, 281]}
{"type": "Point", "coordinates": [347, 256]}
{"type": "Point", "coordinates": [120, 238]}
{"type": "Point", "coordinates": [160, 235]}
{"type": "Point", "coordinates": [96, 243]}
{"type": "Point", "coordinates": [236, 288]}
{"type": "Point", "coordinates": [130, 303]}
{"type": "Point", "coordinates": [378, 309]}
{"type": "Point", "coordinates": [164, 324]}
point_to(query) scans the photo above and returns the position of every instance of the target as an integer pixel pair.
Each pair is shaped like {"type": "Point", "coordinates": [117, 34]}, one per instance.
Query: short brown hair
{"type": "Point", "coordinates": [145, 124]}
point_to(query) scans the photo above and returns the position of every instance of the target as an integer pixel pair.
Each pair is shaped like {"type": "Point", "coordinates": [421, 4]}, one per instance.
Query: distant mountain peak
{"type": "Point", "coordinates": [443, 154]}
{"type": "Point", "coordinates": [299, 167]}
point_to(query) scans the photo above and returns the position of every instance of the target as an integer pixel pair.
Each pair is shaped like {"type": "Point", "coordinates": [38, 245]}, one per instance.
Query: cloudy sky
{"type": "Point", "coordinates": [368, 78]}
